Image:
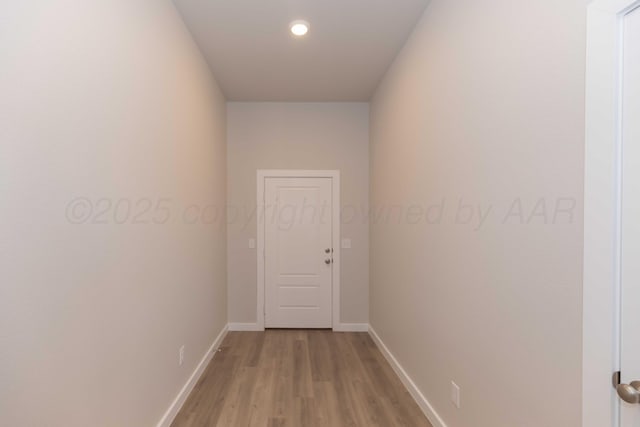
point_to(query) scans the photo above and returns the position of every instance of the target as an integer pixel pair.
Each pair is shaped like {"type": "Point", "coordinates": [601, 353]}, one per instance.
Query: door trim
{"type": "Point", "coordinates": [601, 272]}
{"type": "Point", "coordinates": [262, 175]}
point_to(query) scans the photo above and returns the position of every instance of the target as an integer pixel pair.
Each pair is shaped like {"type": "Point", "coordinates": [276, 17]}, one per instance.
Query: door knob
{"type": "Point", "coordinates": [630, 393]}
{"type": "Point", "coordinates": [328, 261]}
{"type": "Point", "coordinates": [326, 251]}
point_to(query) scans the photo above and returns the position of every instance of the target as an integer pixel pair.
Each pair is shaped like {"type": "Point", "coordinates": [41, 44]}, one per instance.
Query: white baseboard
{"type": "Point", "coordinates": [417, 395]}
{"type": "Point", "coordinates": [177, 403]}
{"type": "Point", "coordinates": [352, 327]}
{"type": "Point", "coordinates": [342, 327]}
{"type": "Point", "coordinates": [245, 327]}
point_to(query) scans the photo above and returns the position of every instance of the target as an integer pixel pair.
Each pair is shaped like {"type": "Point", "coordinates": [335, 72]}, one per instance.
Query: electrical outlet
{"type": "Point", "coordinates": [181, 356]}
{"type": "Point", "coordinates": [455, 394]}
{"type": "Point", "coordinates": [346, 244]}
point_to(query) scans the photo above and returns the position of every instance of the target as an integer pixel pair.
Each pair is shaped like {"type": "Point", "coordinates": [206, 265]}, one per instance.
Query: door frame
{"type": "Point", "coordinates": [601, 280]}
{"type": "Point", "coordinates": [262, 175]}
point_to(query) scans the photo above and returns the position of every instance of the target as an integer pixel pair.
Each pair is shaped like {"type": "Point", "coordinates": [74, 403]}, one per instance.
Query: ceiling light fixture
{"type": "Point", "coordinates": [299, 27]}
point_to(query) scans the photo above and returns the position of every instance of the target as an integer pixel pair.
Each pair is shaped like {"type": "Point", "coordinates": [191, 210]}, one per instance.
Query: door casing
{"type": "Point", "coordinates": [601, 282]}
{"type": "Point", "coordinates": [263, 174]}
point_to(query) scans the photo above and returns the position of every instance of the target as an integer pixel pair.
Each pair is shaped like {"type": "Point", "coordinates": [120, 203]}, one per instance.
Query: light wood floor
{"type": "Point", "coordinates": [298, 378]}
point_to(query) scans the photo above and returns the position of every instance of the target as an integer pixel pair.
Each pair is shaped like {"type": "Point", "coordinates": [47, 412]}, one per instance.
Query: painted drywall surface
{"type": "Point", "coordinates": [297, 136]}
{"type": "Point", "coordinates": [484, 108]}
{"type": "Point", "coordinates": [105, 99]}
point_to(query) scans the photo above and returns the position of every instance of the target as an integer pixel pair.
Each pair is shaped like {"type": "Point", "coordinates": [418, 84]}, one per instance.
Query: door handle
{"type": "Point", "coordinates": [328, 261]}
{"type": "Point", "coordinates": [630, 393]}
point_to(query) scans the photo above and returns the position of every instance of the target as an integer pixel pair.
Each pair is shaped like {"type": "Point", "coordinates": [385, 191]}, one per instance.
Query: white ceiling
{"type": "Point", "coordinates": [254, 57]}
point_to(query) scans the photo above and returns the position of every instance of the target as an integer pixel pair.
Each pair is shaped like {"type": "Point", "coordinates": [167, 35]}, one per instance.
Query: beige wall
{"type": "Point", "coordinates": [484, 104]}
{"type": "Point", "coordinates": [105, 99]}
{"type": "Point", "coordinates": [297, 136]}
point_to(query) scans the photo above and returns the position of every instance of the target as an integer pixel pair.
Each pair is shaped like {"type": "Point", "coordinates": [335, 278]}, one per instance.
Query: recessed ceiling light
{"type": "Point", "coordinates": [299, 28]}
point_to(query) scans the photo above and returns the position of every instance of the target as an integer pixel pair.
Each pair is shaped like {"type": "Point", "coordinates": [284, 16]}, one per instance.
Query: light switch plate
{"type": "Point", "coordinates": [252, 243]}
{"type": "Point", "coordinates": [346, 244]}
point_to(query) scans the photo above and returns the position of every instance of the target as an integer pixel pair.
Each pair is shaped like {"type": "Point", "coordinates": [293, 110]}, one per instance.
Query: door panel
{"type": "Point", "coordinates": [298, 232]}
{"type": "Point", "coordinates": [630, 214]}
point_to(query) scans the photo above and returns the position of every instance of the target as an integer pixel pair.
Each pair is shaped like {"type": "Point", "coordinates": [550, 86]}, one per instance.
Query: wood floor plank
{"type": "Point", "coordinates": [234, 411]}
{"type": "Point", "coordinates": [299, 378]}
{"type": "Point", "coordinates": [282, 381]}
{"type": "Point", "coordinates": [302, 378]}
{"type": "Point", "coordinates": [305, 413]}
{"type": "Point", "coordinates": [340, 381]}
{"type": "Point", "coordinates": [277, 422]}
{"type": "Point", "coordinates": [247, 347]}
{"type": "Point", "coordinates": [359, 387]}
{"type": "Point", "coordinates": [329, 409]}
{"type": "Point", "coordinates": [322, 365]}
{"type": "Point", "coordinates": [260, 403]}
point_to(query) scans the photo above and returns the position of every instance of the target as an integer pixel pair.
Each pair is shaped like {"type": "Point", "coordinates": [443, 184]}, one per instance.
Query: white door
{"type": "Point", "coordinates": [630, 215]}
{"type": "Point", "coordinates": [298, 252]}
